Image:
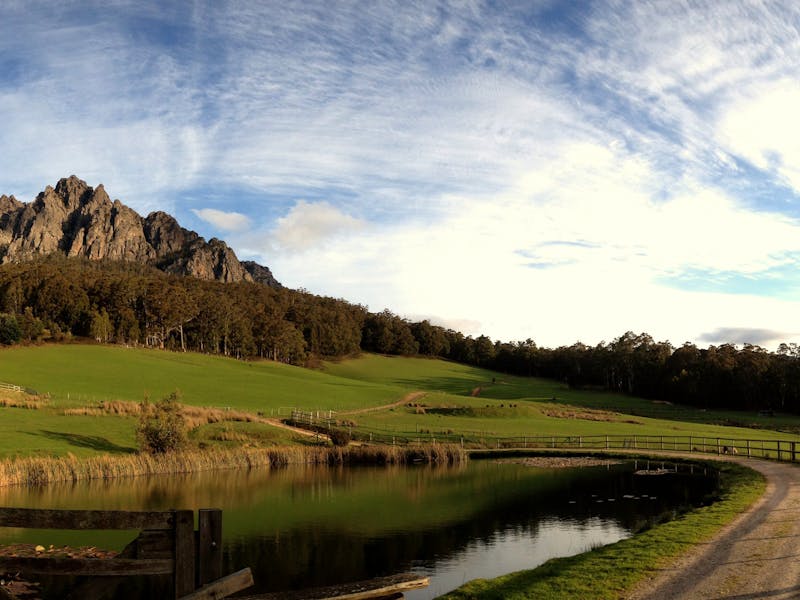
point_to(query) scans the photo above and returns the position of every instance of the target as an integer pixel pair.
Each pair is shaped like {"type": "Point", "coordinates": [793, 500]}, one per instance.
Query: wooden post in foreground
{"type": "Point", "coordinates": [209, 545]}
{"type": "Point", "coordinates": [184, 552]}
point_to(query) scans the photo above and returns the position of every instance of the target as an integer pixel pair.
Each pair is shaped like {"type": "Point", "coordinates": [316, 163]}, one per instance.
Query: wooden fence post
{"type": "Point", "coordinates": [184, 552]}
{"type": "Point", "coordinates": [209, 546]}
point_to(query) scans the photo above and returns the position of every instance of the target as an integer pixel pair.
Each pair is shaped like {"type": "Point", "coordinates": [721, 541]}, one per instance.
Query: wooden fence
{"type": "Point", "coordinates": [313, 418]}
{"type": "Point", "coordinates": [167, 545]}
{"type": "Point", "coordinates": [783, 450]}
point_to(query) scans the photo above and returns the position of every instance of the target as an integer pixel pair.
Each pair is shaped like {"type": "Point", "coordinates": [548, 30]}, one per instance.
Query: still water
{"type": "Point", "coordinates": [310, 526]}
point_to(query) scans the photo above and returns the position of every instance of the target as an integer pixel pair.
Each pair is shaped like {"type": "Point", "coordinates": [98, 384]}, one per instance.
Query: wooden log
{"type": "Point", "coordinates": [223, 587]}
{"type": "Point", "coordinates": [184, 553]}
{"type": "Point", "coordinates": [35, 518]}
{"type": "Point", "coordinates": [382, 587]}
{"type": "Point", "coordinates": [209, 546]}
{"type": "Point", "coordinates": [86, 566]}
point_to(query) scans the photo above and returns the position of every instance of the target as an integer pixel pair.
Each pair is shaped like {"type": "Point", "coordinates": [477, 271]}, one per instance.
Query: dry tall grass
{"type": "Point", "coordinates": [39, 471]}
{"type": "Point", "coordinates": [20, 400]}
{"type": "Point", "coordinates": [194, 416]}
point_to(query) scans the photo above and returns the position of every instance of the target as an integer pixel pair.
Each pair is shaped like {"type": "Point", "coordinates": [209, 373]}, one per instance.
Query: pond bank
{"type": "Point", "coordinates": [615, 571]}
{"type": "Point", "coordinates": [43, 470]}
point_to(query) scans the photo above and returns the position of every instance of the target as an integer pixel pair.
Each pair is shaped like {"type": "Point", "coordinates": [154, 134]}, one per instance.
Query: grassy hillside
{"type": "Point", "coordinates": [79, 374]}
{"type": "Point", "coordinates": [470, 400]}
{"type": "Point", "coordinates": [457, 398]}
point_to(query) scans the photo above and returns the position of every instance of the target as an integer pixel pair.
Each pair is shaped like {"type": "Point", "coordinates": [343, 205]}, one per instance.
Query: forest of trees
{"type": "Point", "coordinates": [55, 299]}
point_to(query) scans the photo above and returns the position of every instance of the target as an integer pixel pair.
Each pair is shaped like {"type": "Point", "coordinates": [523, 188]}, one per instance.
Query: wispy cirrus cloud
{"type": "Point", "coordinates": [441, 150]}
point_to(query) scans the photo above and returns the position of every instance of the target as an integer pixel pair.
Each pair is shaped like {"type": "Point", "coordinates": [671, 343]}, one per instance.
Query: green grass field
{"type": "Point", "coordinates": [76, 375]}
{"type": "Point", "coordinates": [521, 406]}
{"type": "Point", "coordinates": [457, 398]}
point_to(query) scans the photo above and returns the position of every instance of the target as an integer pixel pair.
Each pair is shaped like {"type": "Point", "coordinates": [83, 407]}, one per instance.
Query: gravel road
{"type": "Point", "coordinates": [755, 557]}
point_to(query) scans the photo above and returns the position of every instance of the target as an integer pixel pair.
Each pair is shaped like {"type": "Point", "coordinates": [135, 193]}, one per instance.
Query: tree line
{"type": "Point", "coordinates": [56, 298]}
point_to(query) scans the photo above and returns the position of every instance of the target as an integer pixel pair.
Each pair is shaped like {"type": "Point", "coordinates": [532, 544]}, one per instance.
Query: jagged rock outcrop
{"type": "Point", "coordinates": [260, 273]}
{"type": "Point", "coordinates": [78, 220]}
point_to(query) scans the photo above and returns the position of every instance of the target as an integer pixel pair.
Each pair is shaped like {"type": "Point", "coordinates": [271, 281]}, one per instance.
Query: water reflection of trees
{"type": "Point", "coordinates": [321, 555]}
{"type": "Point", "coordinates": [310, 525]}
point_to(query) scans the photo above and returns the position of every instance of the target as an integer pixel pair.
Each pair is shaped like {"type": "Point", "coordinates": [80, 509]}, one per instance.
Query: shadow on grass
{"type": "Point", "coordinates": [92, 442]}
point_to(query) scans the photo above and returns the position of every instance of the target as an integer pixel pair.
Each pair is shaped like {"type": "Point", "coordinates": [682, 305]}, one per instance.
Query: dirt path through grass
{"type": "Point", "coordinates": [408, 398]}
{"type": "Point", "coordinates": [755, 557]}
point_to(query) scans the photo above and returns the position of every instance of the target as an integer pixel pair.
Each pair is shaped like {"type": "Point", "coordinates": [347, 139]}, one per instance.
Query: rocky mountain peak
{"type": "Point", "coordinates": [77, 220]}
{"type": "Point", "coordinates": [71, 191]}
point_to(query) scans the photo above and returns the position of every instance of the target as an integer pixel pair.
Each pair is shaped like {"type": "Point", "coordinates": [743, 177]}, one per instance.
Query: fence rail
{"type": "Point", "coordinates": [783, 450]}
{"type": "Point", "coordinates": [314, 418]}
{"type": "Point", "coordinates": [167, 545]}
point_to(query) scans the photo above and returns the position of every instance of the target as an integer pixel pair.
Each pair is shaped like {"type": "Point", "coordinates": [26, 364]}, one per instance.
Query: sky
{"type": "Point", "coordinates": [555, 170]}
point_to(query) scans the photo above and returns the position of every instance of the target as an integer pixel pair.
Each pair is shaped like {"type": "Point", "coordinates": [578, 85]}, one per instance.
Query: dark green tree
{"type": "Point", "coordinates": [10, 332]}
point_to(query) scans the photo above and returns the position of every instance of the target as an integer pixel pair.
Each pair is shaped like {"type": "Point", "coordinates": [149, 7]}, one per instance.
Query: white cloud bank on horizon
{"type": "Point", "coordinates": [572, 253]}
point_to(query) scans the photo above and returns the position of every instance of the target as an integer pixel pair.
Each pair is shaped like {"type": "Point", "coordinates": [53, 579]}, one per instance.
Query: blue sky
{"type": "Point", "coordinates": [552, 170]}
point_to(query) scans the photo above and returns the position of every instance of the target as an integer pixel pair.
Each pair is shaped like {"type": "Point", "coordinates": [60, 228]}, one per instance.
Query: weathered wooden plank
{"type": "Point", "coordinates": [154, 544]}
{"type": "Point", "coordinates": [209, 545]}
{"type": "Point", "coordinates": [102, 587]}
{"type": "Point", "coordinates": [184, 552]}
{"type": "Point", "coordinates": [35, 518]}
{"type": "Point", "coordinates": [224, 587]}
{"type": "Point", "coordinates": [382, 587]}
{"type": "Point", "coordinates": [85, 566]}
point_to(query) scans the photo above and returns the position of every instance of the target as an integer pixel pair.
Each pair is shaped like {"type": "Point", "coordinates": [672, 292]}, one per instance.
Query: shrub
{"type": "Point", "coordinates": [340, 437]}
{"type": "Point", "coordinates": [162, 427]}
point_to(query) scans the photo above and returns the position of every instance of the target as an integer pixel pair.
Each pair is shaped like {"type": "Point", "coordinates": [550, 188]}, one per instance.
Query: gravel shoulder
{"type": "Point", "coordinates": [755, 557]}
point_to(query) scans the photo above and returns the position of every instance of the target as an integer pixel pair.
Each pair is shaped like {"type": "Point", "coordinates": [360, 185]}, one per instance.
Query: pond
{"type": "Point", "coordinates": [309, 526]}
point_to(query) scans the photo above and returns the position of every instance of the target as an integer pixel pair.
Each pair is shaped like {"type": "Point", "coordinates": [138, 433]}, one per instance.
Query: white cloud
{"type": "Point", "coordinates": [308, 225]}
{"type": "Point", "coordinates": [608, 242]}
{"type": "Point", "coordinates": [762, 129]}
{"type": "Point", "coordinates": [746, 335]}
{"type": "Point", "coordinates": [472, 150]}
{"type": "Point", "coordinates": [225, 221]}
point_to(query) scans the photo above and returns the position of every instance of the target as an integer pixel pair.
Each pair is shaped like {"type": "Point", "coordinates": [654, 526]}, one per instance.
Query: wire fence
{"type": "Point", "coordinates": [783, 450]}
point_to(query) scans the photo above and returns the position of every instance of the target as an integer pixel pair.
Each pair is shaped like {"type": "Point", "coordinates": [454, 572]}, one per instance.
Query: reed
{"type": "Point", "coordinates": [442, 454]}
{"type": "Point", "coordinates": [42, 470]}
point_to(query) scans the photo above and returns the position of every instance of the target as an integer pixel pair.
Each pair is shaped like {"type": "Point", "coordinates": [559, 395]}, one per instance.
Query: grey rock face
{"type": "Point", "coordinates": [77, 220]}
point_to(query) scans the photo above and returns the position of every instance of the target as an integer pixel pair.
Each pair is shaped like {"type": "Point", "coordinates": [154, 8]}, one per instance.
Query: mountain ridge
{"type": "Point", "coordinates": [77, 220]}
